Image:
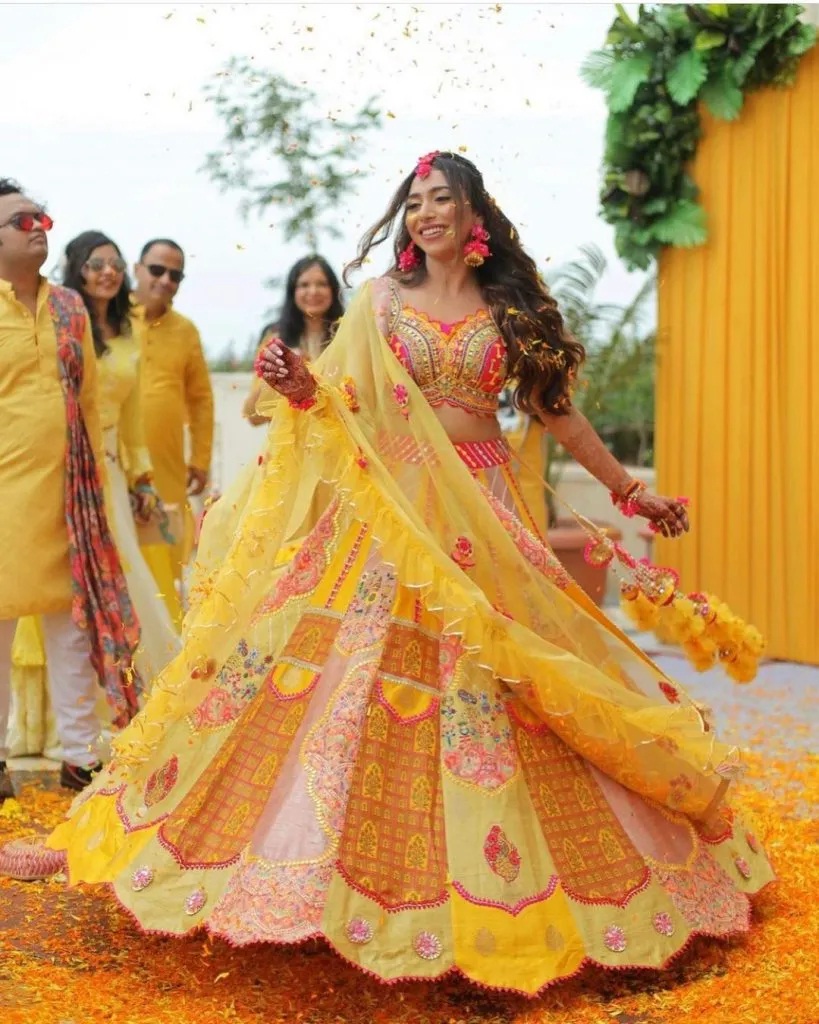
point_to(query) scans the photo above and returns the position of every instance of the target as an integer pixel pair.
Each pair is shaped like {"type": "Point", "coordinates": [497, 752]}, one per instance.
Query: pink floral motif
{"type": "Point", "coordinates": [161, 782]}
{"type": "Point", "coordinates": [196, 901]}
{"type": "Point", "coordinates": [350, 394]}
{"type": "Point", "coordinates": [670, 692]}
{"type": "Point", "coordinates": [235, 686]}
{"type": "Point", "coordinates": [428, 946]}
{"type": "Point", "coordinates": [401, 396]}
{"type": "Point", "coordinates": [307, 567]}
{"type": "Point", "coordinates": [463, 553]}
{"type": "Point", "coordinates": [752, 841]}
{"type": "Point", "coordinates": [743, 867]}
{"type": "Point", "coordinates": [450, 650]}
{"type": "Point", "coordinates": [663, 924]}
{"type": "Point", "coordinates": [142, 878]}
{"type": "Point", "coordinates": [359, 930]}
{"type": "Point", "coordinates": [501, 854]}
{"type": "Point", "coordinates": [614, 938]}
{"type": "Point", "coordinates": [535, 553]}
{"type": "Point", "coordinates": [217, 709]}
{"type": "Point", "coordinates": [368, 615]}
{"type": "Point", "coordinates": [477, 742]}
{"type": "Point", "coordinates": [704, 895]}
{"type": "Point", "coordinates": [267, 902]}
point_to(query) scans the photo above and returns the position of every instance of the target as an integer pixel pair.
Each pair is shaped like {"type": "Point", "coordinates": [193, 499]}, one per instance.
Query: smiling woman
{"type": "Point", "coordinates": [396, 722]}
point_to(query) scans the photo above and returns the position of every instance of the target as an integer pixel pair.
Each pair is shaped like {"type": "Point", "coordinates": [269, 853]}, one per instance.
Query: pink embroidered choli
{"type": "Point", "coordinates": [463, 364]}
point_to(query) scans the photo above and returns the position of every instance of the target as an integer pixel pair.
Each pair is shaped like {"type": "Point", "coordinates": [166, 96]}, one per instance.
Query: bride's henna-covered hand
{"type": "Point", "coordinates": [285, 371]}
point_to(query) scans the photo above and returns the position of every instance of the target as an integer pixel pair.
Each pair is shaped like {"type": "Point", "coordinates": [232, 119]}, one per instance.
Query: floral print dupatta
{"type": "Point", "coordinates": [101, 605]}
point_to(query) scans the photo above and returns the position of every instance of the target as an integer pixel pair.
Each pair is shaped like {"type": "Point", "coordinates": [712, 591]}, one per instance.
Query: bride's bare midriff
{"type": "Point", "coordinates": [466, 426]}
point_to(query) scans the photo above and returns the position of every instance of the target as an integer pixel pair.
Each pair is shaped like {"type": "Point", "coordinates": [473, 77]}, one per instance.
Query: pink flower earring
{"type": "Point", "coordinates": [476, 251]}
{"type": "Point", "coordinates": [409, 259]}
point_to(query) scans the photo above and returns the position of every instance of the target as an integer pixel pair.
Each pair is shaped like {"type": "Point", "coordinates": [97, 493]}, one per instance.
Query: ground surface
{"type": "Point", "coordinates": [73, 957]}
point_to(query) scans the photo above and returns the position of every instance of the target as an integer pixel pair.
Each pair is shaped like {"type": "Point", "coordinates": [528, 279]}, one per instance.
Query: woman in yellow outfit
{"type": "Point", "coordinates": [416, 738]}
{"type": "Point", "coordinates": [94, 267]}
{"type": "Point", "coordinates": [310, 312]}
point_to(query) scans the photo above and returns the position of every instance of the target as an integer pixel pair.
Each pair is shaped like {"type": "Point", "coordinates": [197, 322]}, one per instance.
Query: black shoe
{"type": "Point", "coordinates": [6, 788]}
{"type": "Point", "coordinates": [76, 778]}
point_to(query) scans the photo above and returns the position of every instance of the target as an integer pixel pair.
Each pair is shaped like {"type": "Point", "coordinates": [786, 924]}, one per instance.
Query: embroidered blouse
{"type": "Point", "coordinates": [462, 364]}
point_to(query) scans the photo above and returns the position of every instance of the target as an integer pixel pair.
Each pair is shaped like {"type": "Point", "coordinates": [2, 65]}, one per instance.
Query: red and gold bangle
{"type": "Point", "coordinates": [627, 501]}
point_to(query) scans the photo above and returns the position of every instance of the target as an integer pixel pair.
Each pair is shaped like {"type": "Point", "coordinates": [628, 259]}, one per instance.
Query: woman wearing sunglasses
{"type": "Point", "coordinates": [94, 267]}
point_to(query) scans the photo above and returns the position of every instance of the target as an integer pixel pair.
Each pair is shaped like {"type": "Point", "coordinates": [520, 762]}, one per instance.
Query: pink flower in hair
{"type": "Point", "coordinates": [423, 168]}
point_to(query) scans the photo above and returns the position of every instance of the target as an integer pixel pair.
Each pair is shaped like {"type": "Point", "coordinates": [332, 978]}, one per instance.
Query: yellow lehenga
{"type": "Point", "coordinates": [397, 724]}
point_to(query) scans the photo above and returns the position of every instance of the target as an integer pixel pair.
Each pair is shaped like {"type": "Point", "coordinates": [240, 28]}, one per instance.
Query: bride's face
{"type": "Point", "coordinates": [433, 218]}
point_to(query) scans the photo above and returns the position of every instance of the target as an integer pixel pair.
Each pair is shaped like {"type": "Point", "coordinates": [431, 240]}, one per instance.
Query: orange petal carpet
{"type": "Point", "coordinates": [74, 957]}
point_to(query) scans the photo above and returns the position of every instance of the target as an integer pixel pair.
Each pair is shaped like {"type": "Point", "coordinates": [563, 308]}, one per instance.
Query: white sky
{"type": "Point", "coordinates": [103, 117]}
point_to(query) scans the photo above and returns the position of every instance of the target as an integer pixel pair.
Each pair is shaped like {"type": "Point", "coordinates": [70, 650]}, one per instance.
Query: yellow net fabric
{"type": "Point", "coordinates": [372, 452]}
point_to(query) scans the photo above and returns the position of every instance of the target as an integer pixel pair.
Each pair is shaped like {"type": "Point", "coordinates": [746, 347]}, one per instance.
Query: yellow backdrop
{"type": "Point", "coordinates": [738, 369]}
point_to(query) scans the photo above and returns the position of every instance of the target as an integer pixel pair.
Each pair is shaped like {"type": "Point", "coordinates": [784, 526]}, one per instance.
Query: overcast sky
{"type": "Point", "coordinates": [104, 118]}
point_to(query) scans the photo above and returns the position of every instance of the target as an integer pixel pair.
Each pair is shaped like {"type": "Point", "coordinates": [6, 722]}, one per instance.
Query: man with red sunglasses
{"type": "Point", "coordinates": [57, 559]}
{"type": "Point", "coordinates": [176, 385]}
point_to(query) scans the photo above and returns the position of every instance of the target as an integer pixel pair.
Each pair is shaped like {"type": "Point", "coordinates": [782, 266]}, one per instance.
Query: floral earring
{"type": "Point", "coordinates": [476, 251]}
{"type": "Point", "coordinates": [409, 259]}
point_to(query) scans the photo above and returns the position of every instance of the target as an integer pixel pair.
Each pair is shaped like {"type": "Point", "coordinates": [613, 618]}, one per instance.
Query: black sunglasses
{"type": "Point", "coordinates": [157, 270]}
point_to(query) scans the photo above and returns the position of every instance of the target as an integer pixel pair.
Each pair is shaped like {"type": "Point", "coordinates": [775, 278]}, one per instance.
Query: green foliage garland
{"type": "Point", "coordinates": [655, 72]}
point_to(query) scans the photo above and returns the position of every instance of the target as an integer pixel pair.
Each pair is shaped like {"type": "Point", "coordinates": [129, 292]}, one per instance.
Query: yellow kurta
{"type": "Point", "coordinates": [35, 575]}
{"type": "Point", "coordinates": [31, 724]}
{"type": "Point", "coordinates": [176, 389]}
{"type": "Point", "coordinates": [120, 406]}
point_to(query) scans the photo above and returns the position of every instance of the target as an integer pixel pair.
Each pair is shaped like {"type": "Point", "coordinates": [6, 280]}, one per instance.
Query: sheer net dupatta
{"type": "Point", "coordinates": [372, 449]}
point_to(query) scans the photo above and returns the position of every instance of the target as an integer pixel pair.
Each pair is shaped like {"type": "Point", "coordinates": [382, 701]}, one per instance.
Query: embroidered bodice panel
{"type": "Point", "coordinates": [462, 364]}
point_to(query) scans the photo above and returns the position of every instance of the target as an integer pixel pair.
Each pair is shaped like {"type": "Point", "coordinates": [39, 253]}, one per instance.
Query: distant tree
{"type": "Point", "coordinates": [280, 152]}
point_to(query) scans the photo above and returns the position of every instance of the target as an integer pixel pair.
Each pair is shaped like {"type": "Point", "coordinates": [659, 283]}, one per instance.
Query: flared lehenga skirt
{"type": "Point", "coordinates": [374, 783]}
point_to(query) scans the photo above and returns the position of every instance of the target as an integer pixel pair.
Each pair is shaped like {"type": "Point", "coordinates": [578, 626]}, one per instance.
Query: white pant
{"type": "Point", "coordinates": [72, 684]}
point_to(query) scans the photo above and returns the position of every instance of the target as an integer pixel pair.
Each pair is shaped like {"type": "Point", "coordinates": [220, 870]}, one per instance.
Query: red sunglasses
{"type": "Point", "coordinates": [28, 221]}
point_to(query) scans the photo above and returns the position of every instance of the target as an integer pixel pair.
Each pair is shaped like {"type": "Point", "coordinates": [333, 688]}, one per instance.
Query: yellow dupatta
{"type": "Point", "coordinates": [373, 445]}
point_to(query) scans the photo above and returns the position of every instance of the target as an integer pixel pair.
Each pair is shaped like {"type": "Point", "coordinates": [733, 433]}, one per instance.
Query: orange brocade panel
{"type": "Point", "coordinates": [738, 369]}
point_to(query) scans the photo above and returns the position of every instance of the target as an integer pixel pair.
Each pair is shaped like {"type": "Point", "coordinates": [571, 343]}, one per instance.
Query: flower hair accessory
{"type": "Point", "coordinates": [476, 251]}
{"type": "Point", "coordinates": [423, 168]}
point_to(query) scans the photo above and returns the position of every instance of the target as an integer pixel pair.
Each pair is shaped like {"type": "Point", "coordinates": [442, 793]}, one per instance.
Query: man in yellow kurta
{"type": "Point", "coordinates": [176, 385]}
{"type": "Point", "coordinates": [35, 572]}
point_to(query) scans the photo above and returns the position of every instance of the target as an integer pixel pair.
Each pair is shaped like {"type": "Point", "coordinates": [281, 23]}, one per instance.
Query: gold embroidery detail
{"type": "Point", "coordinates": [421, 794]}
{"type": "Point", "coordinates": [266, 771]}
{"type": "Point", "coordinates": [425, 736]}
{"type": "Point", "coordinates": [377, 723]}
{"type": "Point", "coordinates": [367, 845]}
{"type": "Point", "coordinates": [417, 855]}
{"type": "Point", "coordinates": [292, 720]}
{"type": "Point", "coordinates": [411, 662]}
{"type": "Point", "coordinates": [372, 785]}
{"type": "Point", "coordinates": [584, 795]}
{"type": "Point", "coordinates": [236, 819]}
{"type": "Point", "coordinates": [573, 856]}
{"type": "Point", "coordinates": [611, 846]}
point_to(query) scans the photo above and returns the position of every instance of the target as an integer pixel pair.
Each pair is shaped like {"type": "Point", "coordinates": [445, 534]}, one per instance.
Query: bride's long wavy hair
{"type": "Point", "coordinates": [544, 356]}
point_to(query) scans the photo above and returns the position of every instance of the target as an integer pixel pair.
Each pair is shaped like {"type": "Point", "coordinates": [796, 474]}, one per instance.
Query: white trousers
{"type": "Point", "coordinates": [72, 684]}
